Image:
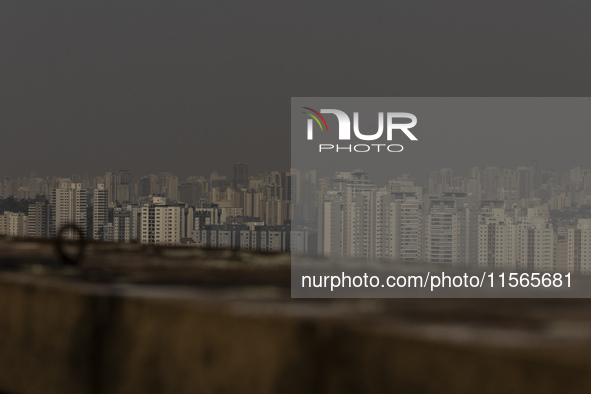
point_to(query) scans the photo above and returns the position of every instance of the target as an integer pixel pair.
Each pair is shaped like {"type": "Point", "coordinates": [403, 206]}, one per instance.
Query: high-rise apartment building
{"type": "Point", "coordinates": [240, 176]}
{"type": "Point", "coordinates": [398, 226]}
{"type": "Point", "coordinates": [497, 237]}
{"type": "Point", "coordinates": [13, 224]}
{"type": "Point", "coordinates": [262, 238]}
{"type": "Point", "coordinates": [446, 230]}
{"type": "Point", "coordinates": [127, 223]}
{"type": "Point", "coordinates": [169, 186]}
{"type": "Point", "coordinates": [579, 248]}
{"type": "Point", "coordinates": [68, 206]}
{"type": "Point", "coordinates": [407, 228]}
{"type": "Point", "coordinates": [359, 219]}
{"type": "Point", "coordinates": [100, 213]}
{"type": "Point", "coordinates": [39, 217]}
{"type": "Point", "coordinates": [535, 237]}
{"type": "Point", "coordinates": [165, 224]}
{"type": "Point", "coordinates": [330, 224]}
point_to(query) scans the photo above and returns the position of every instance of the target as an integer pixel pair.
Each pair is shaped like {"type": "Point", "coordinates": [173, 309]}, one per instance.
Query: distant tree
{"type": "Point", "coordinates": [12, 204]}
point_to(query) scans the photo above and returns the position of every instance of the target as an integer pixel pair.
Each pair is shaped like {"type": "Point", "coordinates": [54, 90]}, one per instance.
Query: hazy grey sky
{"type": "Point", "coordinates": [189, 86]}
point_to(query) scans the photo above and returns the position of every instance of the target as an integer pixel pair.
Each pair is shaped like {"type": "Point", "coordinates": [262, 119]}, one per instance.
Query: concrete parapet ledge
{"type": "Point", "coordinates": [138, 319]}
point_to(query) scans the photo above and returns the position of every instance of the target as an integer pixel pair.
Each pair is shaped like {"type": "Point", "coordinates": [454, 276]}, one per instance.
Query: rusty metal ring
{"type": "Point", "coordinates": [59, 244]}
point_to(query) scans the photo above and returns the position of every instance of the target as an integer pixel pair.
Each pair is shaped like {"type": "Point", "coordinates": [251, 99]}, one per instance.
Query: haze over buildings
{"type": "Point", "coordinates": [523, 218]}
{"type": "Point", "coordinates": [526, 218]}
{"type": "Point", "coordinates": [247, 212]}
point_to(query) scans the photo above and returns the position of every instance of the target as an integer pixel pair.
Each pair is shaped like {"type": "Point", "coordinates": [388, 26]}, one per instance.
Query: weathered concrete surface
{"type": "Point", "coordinates": [138, 320]}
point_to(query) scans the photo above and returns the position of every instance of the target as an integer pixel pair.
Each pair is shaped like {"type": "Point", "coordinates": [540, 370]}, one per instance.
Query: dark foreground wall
{"type": "Point", "coordinates": [139, 320]}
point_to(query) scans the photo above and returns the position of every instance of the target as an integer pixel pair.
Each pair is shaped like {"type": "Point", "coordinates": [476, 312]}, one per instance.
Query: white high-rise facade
{"type": "Point", "coordinates": [162, 223]}
{"type": "Point", "coordinates": [359, 219]}
{"type": "Point", "coordinates": [497, 240]}
{"type": "Point", "coordinates": [410, 230]}
{"type": "Point", "coordinates": [13, 224]}
{"type": "Point", "coordinates": [510, 242]}
{"type": "Point", "coordinates": [39, 218]}
{"type": "Point", "coordinates": [399, 226]}
{"type": "Point", "coordinates": [68, 206]}
{"type": "Point", "coordinates": [535, 237]}
{"type": "Point", "coordinates": [331, 224]}
{"type": "Point", "coordinates": [100, 211]}
{"type": "Point", "coordinates": [579, 248]}
{"type": "Point", "coordinates": [446, 236]}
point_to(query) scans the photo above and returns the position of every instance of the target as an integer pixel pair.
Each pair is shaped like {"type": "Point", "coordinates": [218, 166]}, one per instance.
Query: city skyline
{"type": "Point", "coordinates": [241, 211]}
{"type": "Point", "coordinates": [523, 218]}
{"type": "Point", "coordinates": [241, 178]}
{"type": "Point", "coordinates": [227, 171]}
{"type": "Point", "coordinates": [526, 219]}
{"type": "Point", "coordinates": [224, 171]}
